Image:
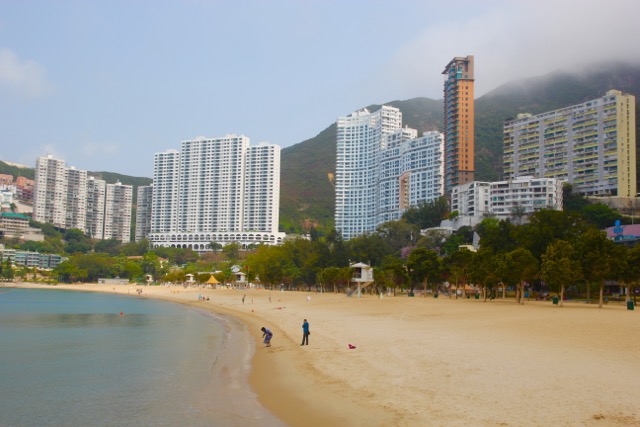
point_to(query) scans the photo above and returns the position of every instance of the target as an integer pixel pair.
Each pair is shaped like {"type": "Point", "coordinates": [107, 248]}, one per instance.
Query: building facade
{"type": "Point", "coordinates": [471, 199]}
{"type": "Point", "coordinates": [511, 199]}
{"type": "Point", "coordinates": [382, 169]}
{"type": "Point", "coordinates": [96, 193]}
{"type": "Point", "coordinates": [216, 190]}
{"type": "Point", "coordinates": [50, 195]}
{"type": "Point", "coordinates": [459, 118]}
{"type": "Point", "coordinates": [524, 196]}
{"type": "Point", "coordinates": [76, 209]}
{"type": "Point", "coordinates": [590, 145]}
{"type": "Point", "coordinates": [143, 211]}
{"type": "Point", "coordinates": [68, 198]}
{"type": "Point", "coordinates": [117, 212]}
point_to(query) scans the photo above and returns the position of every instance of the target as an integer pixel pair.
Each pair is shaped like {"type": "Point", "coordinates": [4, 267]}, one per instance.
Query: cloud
{"type": "Point", "coordinates": [23, 77]}
{"type": "Point", "coordinates": [512, 40]}
{"type": "Point", "coordinates": [93, 149]}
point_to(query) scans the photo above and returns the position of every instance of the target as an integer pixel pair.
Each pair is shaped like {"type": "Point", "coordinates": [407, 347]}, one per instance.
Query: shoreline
{"type": "Point", "coordinates": [425, 361]}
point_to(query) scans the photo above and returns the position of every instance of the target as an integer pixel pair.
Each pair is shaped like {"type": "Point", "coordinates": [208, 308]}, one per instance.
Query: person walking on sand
{"type": "Point", "coordinates": [305, 333]}
{"type": "Point", "coordinates": [243, 298]}
{"type": "Point", "coordinates": [267, 335]}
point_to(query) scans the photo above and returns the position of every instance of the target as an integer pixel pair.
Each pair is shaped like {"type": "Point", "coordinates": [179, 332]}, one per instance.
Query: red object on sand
{"type": "Point", "coordinates": [351, 346]}
{"type": "Point", "coordinates": [121, 314]}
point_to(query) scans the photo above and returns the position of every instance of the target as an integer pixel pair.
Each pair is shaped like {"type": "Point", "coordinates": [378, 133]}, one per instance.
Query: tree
{"type": "Point", "coordinates": [457, 265]}
{"type": "Point", "coordinates": [519, 266]}
{"type": "Point", "coordinates": [427, 214]}
{"type": "Point", "coordinates": [108, 246]}
{"type": "Point", "coordinates": [547, 226]}
{"type": "Point", "coordinates": [631, 272]}
{"type": "Point", "coordinates": [66, 271]}
{"type": "Point", "coordinates": [496, 235]}
{"type": "Point", "coordinates": [231, 251]}
{"type": "Point", "coordinates": [600, 215]}
{"type": "Point", "coordinates": [370, 248]}
{"type": "Point", "coordinates": [398, 235]}
{"type": "Point", "coordinates": [599, 260]}
{"type": "Point", "coordinates": [483, 270]}
{"type": "Point", "coordinates": [560, 266]}
{"type": "Point", "coordinates": [7, 271]}
{"type": "Point", "coordinates": [422, 264]}
{"type": "Point", "coordinates": [398, 269]}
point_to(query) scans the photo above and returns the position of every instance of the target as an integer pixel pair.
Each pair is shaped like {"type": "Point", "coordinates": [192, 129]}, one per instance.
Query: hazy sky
{"type": "Point", "coordinates": [106, 84]}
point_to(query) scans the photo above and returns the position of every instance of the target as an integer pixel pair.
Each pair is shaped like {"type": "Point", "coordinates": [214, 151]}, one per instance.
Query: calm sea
{"type": "Point", "coordinates": [87, 359]}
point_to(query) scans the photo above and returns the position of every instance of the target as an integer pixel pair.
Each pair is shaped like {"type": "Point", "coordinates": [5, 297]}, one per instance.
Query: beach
{"type": "Point", "coordinates": [425, 361]}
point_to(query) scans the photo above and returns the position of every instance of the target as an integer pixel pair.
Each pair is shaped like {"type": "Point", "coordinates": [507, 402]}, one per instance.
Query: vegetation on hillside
{"type": "Point", "coordinates": [8, 169]}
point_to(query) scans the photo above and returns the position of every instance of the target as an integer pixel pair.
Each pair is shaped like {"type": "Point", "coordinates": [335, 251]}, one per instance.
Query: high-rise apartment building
{"type": "Point", "coordinates": [164, 206]}
{"type": "Point", "coordinates": [382, 169]}
{"type": "Point", "coordinates": [67, 198]}
{"type": "Point", "coordinates": [590, 145]}
{"type": "Point", "coordinates": [143, 211]}
{"type": "Point", "coordinates": [117, 212]}
{"type": "Point", "coordinates": [216, 190]}
{"type": "Point", "coordinates": [50, 194]}
{"type": "Point", "coordinates": [76, 209]}
{"type": "Point", "coordinates": [458, 122]}
{"type": "Point", "coordinates": [262, 188]}
{"type": "Point", "coordinates": [96, 192]}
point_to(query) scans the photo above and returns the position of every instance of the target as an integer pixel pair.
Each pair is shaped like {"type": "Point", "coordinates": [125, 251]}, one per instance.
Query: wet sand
{"type": "Point", "coordinates": [425, 361]}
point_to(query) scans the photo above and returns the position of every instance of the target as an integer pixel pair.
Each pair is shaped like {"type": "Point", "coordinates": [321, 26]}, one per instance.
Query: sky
{"type": "Point", "coordinates": [104, 85]}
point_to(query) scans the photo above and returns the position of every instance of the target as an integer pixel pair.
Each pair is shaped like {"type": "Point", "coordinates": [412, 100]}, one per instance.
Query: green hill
{"type": "Point", "coordinates": [8, 169]}
{"type": "Point", "coordinates": [307, 196]}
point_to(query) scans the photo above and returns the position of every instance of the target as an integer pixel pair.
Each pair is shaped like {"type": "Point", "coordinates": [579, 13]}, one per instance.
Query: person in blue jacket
{"type": "Point", "coordinates": [267, 335]}
{"type": "Point", "coordinates": [305, 333]}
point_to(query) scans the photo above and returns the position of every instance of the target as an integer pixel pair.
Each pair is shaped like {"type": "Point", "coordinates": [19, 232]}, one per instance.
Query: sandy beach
{"type": "Point", "coordinates": [425, 361]}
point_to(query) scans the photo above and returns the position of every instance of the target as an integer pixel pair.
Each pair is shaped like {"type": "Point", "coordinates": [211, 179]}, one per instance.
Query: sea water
{"type": "Point", "coordinates": [72, 358]}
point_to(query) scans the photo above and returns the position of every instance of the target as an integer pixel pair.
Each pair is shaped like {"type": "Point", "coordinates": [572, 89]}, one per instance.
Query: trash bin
{"type": "Point", "coordinates": [477, 296]}
{"type": "Point", "coordinates": [435, 295]}
{"type": "Point", "coordinates": [468, 296]}
{"type": "Point", "coordinates": [555, 300]}
{"type": "Point", "coordinates": [630, 305]}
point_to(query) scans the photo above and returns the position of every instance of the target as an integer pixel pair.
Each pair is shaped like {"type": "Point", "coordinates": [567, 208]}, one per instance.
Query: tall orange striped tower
{"type": "Point", "coordinates": [458, 122]}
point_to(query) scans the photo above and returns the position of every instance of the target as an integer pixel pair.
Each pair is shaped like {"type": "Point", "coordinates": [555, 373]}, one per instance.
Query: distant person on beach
{"type": "Point", "coordinates": [267, 335]}
{"type": "Point", "coordinates": [243, 298]}
{"type": "Point", "coordinates": [305, 333]}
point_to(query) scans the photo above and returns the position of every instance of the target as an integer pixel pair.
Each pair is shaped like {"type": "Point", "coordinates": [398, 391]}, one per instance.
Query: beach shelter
{"type": "Point", "coordinates": [212, 281]}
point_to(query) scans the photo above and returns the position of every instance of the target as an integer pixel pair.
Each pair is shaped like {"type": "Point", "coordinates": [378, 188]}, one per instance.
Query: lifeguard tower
{"type": "Point", "coordinates": [190, 281]}
{"type": "Point", "coordinates": [362, 275]}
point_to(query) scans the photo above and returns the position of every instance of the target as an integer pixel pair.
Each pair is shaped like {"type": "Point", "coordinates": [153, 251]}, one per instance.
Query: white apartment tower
{"type": "Point", "coordinates": [590, 145]}
{"type": "Point", "coordinates": [262, 188]}
{"type": "Point", "coordinates": [50, 193]}
{"type": "Point", "coordinates": [143, 211]}
{"type": "Point", "coordinates": [164, 206]}
{"type": "Point", "coordinates": [96, 192]}
{"type": "Point", "coordinates": [76, 199]}
{"type": "Point", "coordinates": [382, 169]}
{"type": "Point", "coordinates": [218, 190]}
{"type": "Point", "coordinates": [117, 212]}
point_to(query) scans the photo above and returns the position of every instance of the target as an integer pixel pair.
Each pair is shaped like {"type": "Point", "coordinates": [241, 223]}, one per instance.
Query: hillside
{"type": "Point", "coordinates": [16, 171]}
{"type": "Point", "coordinates": [307, 193]}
